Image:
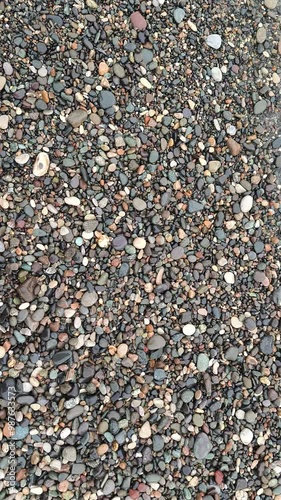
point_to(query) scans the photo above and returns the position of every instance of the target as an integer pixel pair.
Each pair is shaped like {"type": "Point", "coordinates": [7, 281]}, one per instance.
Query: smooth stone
{"type": "Point", "coordinates": [119, 70]}
{"type": "Point", "coordinates": [260, 107]}
{"type": "Point", "coordinates": [61, 357]}
{"type": "Point", "coordinates": [8, 68]}
{"type": "Point", "coordinates": [27, 290]}
{"type": "Point", "coordinates": [145, 430]}
{"type": "Point", "coordinates": [69, 454]}
{"type": "Point", "coordinates": [156, 342]}
{"type": "Point", "coordinates": [214, 41]}
{"type": "Point", "coordinates": [202, 362]}
{"type": "Point", "coordinates": [194, 206]}
{"type": "Point", "coordinates": [120, 242]}
{"type": "Point", "coordinates": [246, 204]}
{"type": "Point", "coordinates": [77, 117]}
{"type": "Point", "coordinates": [246, 436]}
{"type": "Point", "coordinates": [231, 354]}
{"type": "Point", "coordinates": [276, 296]}
{"type": "Point", "coordinates": [2, 82]}
{"type": "Point", "coordinates": [177, 253]}
{"type": "Point", "coordinates": [4, 122]}
{"type": "Point", "coordinates": [216, 74]}
{"type": "Point", "coordinates": [139, 204]}
{"type": "Point", "coordinates": [20, 433]}
{"type": "Point", "coordinates": [74, 412]}
{"type": "Point", "coordinates": [187, 396]}
{"type": "Point", "coordinates": [22, 159]}
{"type": "Point", "coordinates": [158, 443]}
{"type": "Point", "coordinates": [271, 4]}
{"type": "Point", "coordinates": [267, 344]}
{"type": "Point", "coordinates": [179, 15]}
{"type": "Point", "coordinates": [188, 329]}
{"type": "Point", "coordinates": [138, 21]}
{"type": "Point", "coordinates": [213, 166]}
{"type": "Point", "coordinates": [106, 99]}
{"type": "Point", "coordinates": [139, 243]}
{"type": "Point", "coordinates": [202, 446]}
{"type": "Point", "coordinates": [229, 277]}
{"type": "Point", "coordinates": [233, 146]}
{"type": "Point", "coordinates": [73, 201]}
{"type": "Point", "coordinates": [109, 487]}
{"type": "Point", "coordinates": [261, 35]}
{"type": "Point", "coordinates": [41, 165]}
{"type": "Point", "coordinates": [89, 299]}
{"type": "Point", "coordinates": [235, 322]}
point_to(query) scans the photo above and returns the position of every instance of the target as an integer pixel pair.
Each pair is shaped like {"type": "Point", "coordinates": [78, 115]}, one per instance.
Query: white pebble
{"type": "Point", "coordinates": [145, 430]}
{"type": "Point", "coordinates": [139, 243]}
{"type": "Point", "coordinates": [216, 74]}
{"type": "Point", "coordinates": [145, 83]}
{"type": "Point", "coordinates": [72, 200]}
{"type": "Point", "coordinates": [41, 165]}
{"type": "Point", "coordinates": [246, 436]}
{"type": "Point", "coordinates": [22, 159]}
{"type": "Point", "coordinates": [235, 322]}
{"type": "Point", "coordinates": [229, 278]}
{"type": "Point", "coordinates": [189, 329]}
{"type": "Point", "coordinates": [246, 204]}
{"type": "Point", "coordinates": [214, 41]}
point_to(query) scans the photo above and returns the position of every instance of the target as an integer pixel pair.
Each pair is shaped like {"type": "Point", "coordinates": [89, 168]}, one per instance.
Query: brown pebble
{"type": "Point", "coordinates": [102, 449]}
{"type": "Point", "coordinates": [138, 21]}
{"type": "Point", "coordinates": [103, 68]}
{"type": "Point", "coordinates": [233, 146]}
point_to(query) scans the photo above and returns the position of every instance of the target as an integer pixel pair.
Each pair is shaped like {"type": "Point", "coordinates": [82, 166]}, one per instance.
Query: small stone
{"type": "Point", "coordinates": [271, 4]}
{"type": "Point", "coordinates": [41, 165]}
{"type": "Point", "coordinates": [179, 15]}
{"type": "Point", "coordinates": [214, 41]}
{"type": "Point", "coordinates": [120, 242]}
{"type": "Point", "coordinates": [145, 431]}
{"type": "Point", "coordinates": [102, 449]}
{"type": "Point", "coordinates": [229, 277]}
{"type": "Point", "coordinates": [233, 146]}
{"type": "Point", "coordinates": [202, 446]}
{"type": "Point", "coordinates": [139, 204]}
{"type": "Point", "coordinates": [27, 290]}
{"type": "Point", "coordinates": [177, 253]}
{"type": "Point", "coordinates": [267, 344]}
{"type": "Point", "coordinates": [145, 83]}
{"type": "Point", "coordinates": [156, 342]}
{"type": "Point", "coordinates": [261, 35]}
{"type": "Point", "coordinates": [246, 436]}
{"type": "Point", "coordinates": [22, 159]}
{"type": "Point", "coordinates": [260, 107]}
{"type": "Point", "coordinates": [69, 454]}
{"type": "Point", "coordinates": [2, 82]}
{"type": "Point", "coordinates": [194, 206]}
{"type": "Point", "coordinates": [188, 329]}
{"type": "Point", "coordinates": [122, 350]}
{"type": "Point", "coordinates": [276, 296]}
{"type": "Point", "coordinates": [109, 487]}
{"type": "Point", "coordinates": [4, 122]}
{"type": "Point", "coordinates": [8, 68]}
{"type": "Point", "coordinates": [2, 352]}
{"type": "Point", "coordinates": [119, 70]}
{"type": "Point", "coordinates": [61, 357]}
{"type": "Point", "coordinates": [138, 21]}
{"type": "Point", "coordinates": [139, 243]}
{"type": "Point", "coordinates": [103, 68]}
{"type": "Point", "coordinates": [202, 362]}
{"type": "Point", "coordinates": [77, 117]}
{"type": "Point", "coordinates": [216, 74]}
{"type": "Point", "coordinates": [106, 99]}
{"type": "Point", "coordinates": [214, 166]}
{"type": "Point", "coordinates": [246, 204]}
{"type": "Point", "coordinates": [236, 323]}
{"type": "Point", "coordinates": [89, 299]}
{"type": "Point", "coordinates": [91, 4]}
{"type": "Point", "coordinates": [73, 201]}
{"type": "Point", "coordinates": [231, 354]}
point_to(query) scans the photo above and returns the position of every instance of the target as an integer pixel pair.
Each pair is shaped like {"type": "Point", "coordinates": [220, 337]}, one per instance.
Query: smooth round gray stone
{"type": "Point", "coordinates": [250, 417]}
{"type": "Point", "coordinates": [74, 412]}
{"type": "Point", "coordinates": [177, 253]}
{"type": "Point", "coordinates": [156, 342]}
{"type": "Point", "coordinates": [202, 446]}
{"type": "Point", "coordinates": [214, 41]}
{"type": "Point", "coordinates": [106, 99]}
{"type": "Point", "coordinates": [179, 15]}
{"type": "Point", "coordinates": [119, 70]}
{"type": "Point", "coordinates": [258, 246]}
{"type": "Point", "coordinates": [77, 117]}
{"type": "Point", "coordinates": [187, 396]}
{"type": "Point", "coordinates": [231, 354]}
{"type": "Point", "coordinates": [157, 442]}
{"type": "Point", "coordinates": [260, 107]}
{"type": "Point", "coordinates": [139, 204]}
{"type": "Point", "coordinates": [276, 296]}
{"type": "Point", "coordinates": [109, 487]}
{"type": "Point", "coordinates": [266, 344]}
{"type": "Point", "coordinates": [119, 242]}
{"type": "Point", "coordinates": [69, 454]}
{"type": "Point", "coordinates": [202, 362]}
{"type": "Point", "coordinates": [250, 324]}
{"type": "Point", "coordinates": [89, 299]}
{"type": "Point", "coordinates": [194, 206]}
{"type": "Point", "coordinates": [261, 35]}
{"type": "Point", "coordinates": [159, 374]}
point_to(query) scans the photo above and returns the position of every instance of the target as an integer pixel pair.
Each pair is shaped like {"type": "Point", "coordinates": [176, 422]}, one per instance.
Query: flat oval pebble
{"type": "Point", "coordinates": [246, 436]}
{"type": "Point", "coordinates": [145, 430]}
{"type": "Point", "coordinates": [229, 277]}
{"type": "Point", "coordinates": [202, 446]}
{"type": "Point", "coordinates": [72, 201]}
{"type": "Point", "coordinates": [177, 253]}
{"type": "Point", "coordinates": [41, 165]}
{"type": "Point", "coordinates": [156, 342]}
{"type": "Point", "coordinates": [89, 299]}
{"type": "Point", "coordinates": [2, 82]}
{"type": "Point", "coordinates": [246, 204]}
{"type": "Point", "coordinates": [4, 122]}
{"type": "Point", "coordinates": [138, 21]}
{"type": "Point", "coordinates": [214, 41]}
{"type": "Point", "coordinates": [188, 329]}
{"type": "Point", "coordinates": [202, 362]}
{"type": "Point", "coordinates": [216, 74]}
{"type": "Point", "coordinates": [139, 204]}
{"type": "Point", "coordinates": [139, 243]}
{"type": "Point", "coordinates": [179, 15]}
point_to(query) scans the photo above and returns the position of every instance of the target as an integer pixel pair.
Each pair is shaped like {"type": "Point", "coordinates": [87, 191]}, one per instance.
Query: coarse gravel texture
{"type": "Point", "coordinates": [140, 309]}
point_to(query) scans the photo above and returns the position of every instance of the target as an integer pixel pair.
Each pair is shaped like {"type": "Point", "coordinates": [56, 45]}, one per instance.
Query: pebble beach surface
{"type": "Point", "coordinates": [140, 295]}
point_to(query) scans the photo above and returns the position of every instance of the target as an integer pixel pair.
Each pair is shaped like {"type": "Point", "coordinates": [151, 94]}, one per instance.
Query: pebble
{"type": "Point", "coordinates": [138, 21]}
{"type": "Point", "coordinates": [216, 74]}
{"type": "Point", "coordinates": [229, 277]}
{"type": "Point", "coordinates": [73, 201]}
{"type": "Point", "coordinates": [231, 354]}
{"type": "Point", "coordinates": [202, 446]}
{"type": "Point", "coordinates": [246, 204]}
{"type": "Point", "coordinates": [233, 146]}
{"type": "Point", "coordinates": [8, 69]}
{"type": "Point", "coordinates": [246, 436]}
{"type": "Point", "coordinates": [139, 204]}
{"type": "Point", "coordinates": [145, 430]}
{"type": "Point", "coordinates": [179, 15]}
{"type": "Point", "coordinates": [106, 99]}
{"type": "Point", "coordinates": [88, 299]}
{"type": "Point", "coordinates": [214, 41]}
{"type": "Point", "coordinates": [156, 342]}
{"type": "Point", "coordinates": [22, 159]}
{"type": "Point", "coordinates": [261, 35]}
{"type": "Point", "coordinates": [202, 362]}
{"type": "Point", "coordinates": [277, 296]}
{"type": "Point", "coordinates": [2, 82]}
{"type": "Point", "coordinates": [267, 344]}
{"type": "Point", "coordinates": [177, 253]}
{"type": "Point", "coordinates": [189, 329]}
{"type": "Point", "coordinates": [195, 206]}
{"type": "Point", "coordinates": [139, 243]}
{"type": "Point", "coordinates": [77, 117]}
{"type": "Point", "coordinates": [109, 487]}
{"type": "Point", "coordinates": [260, 107]}
{"type": "Point", "coordinates": [271, 4]}
{"type": "Point", "coordinates": [41, 165]}
{"type": "Point", "coordinates": [4, 122]}
{"type": "Point", "coordinates": [69, 454]}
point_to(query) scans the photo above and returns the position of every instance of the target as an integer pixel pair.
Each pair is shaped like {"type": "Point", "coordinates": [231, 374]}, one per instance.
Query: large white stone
{"type": "Point", "coordinates": [214, 41]}
{"type": "Point", "coordinates": [246, 204]}
{"type": "Point", "coordinates": [216, 74]}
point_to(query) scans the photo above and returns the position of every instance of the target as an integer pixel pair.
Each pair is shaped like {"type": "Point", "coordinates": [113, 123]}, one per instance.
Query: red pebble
{"type": "Point", "coordinates": [134, 494]}
{"type": "Point", "coordinates": [218, 477]}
